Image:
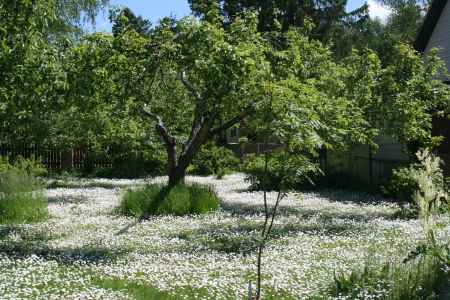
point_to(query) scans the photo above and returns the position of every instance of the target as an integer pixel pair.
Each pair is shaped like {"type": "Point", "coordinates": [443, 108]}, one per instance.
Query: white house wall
{"type": "Point", "coordinates": [441, 38]}
{"type": "Point", "coordinates": [233, 139]}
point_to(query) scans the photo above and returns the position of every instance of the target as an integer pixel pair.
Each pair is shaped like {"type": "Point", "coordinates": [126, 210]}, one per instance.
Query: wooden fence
{"type": "Point", "coordinates": [54, 158]}
{"type": "Point", "coordinates": [241, 151]}
{"type": "Point", "coordinates": [51, 158]}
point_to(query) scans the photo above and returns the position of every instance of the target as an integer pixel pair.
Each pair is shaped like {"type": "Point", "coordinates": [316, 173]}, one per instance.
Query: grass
{"type": "Point", "coordinates": [21, 199]}
{"type": "Point", "coordinates": [135, 290]}
{"type": "Point", "coordinates": [414, 281]}
{"type": "Point", "coordinates": [84, 251]}
{"type": "Point", "coordinates": [159, 199]}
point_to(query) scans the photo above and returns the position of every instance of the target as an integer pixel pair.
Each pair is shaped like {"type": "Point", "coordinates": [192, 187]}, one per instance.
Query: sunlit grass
{"type": "Point", "coordinates": [85, 250]}
{"type": "Point", "coordinates": [21, 198]}
{"type": "Point", "coordinates": [161, 199]}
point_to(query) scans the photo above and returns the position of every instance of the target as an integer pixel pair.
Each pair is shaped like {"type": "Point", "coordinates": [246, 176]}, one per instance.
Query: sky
{"type": "Point", "coordinates": [154, 10]}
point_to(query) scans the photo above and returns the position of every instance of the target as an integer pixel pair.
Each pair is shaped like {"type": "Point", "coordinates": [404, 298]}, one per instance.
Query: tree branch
{"type": "Point", "coordinates": [162, 130]}
{"type": "Point", "coordinates": [189, 86]}
{"type": "Point", "coordinates": [231, 122]}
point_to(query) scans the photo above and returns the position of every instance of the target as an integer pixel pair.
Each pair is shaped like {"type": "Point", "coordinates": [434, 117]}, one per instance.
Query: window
{"type": "Point", "coordinates": [233, 131]}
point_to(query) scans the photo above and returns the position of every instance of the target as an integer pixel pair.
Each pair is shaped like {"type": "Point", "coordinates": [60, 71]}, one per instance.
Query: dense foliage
{"type": "Point", "coordinates": [214, 160]}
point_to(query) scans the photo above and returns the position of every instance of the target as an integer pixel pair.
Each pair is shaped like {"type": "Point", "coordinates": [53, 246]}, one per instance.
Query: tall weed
{"type": "Point", "coordinates": [31, 166]}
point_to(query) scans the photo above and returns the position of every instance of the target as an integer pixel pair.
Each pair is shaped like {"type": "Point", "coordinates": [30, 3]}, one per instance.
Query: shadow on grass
{"type": "Point", "coordinates": [242, 238]}
{"type": "Point", "coordinates": [77, 185]}
{"type": "Point", "coordinates": [17, 243]}
{"type": "Point", "coordinates": [244, 209]}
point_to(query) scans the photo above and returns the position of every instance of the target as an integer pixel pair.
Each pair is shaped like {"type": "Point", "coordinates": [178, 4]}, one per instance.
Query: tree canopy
{"type": "Point", "coordinates": [332, 23]}
{"type": "Point", "coordinates": [198, 78]}
{"type": "Point", "coordinates": [185, 81]}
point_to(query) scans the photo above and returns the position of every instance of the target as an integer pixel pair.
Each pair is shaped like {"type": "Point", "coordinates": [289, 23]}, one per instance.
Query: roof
{"type": "Point", "coordinates": [429, 24]}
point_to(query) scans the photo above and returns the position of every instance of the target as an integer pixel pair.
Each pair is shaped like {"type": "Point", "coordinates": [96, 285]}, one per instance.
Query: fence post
{"type": "Point", "coordinates": [67, 160]}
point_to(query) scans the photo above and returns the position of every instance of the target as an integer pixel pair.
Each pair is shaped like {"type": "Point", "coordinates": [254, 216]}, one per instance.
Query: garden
{"type": "Point", "coordinates": [191, 220]}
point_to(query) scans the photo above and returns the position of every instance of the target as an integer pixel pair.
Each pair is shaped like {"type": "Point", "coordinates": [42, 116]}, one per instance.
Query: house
{"type": "Point", "coordinates": [369, 168]}
{"type": "Point", "coordinates": [435, 33]}
{"type": "Point", "coordinates": [236, 134]}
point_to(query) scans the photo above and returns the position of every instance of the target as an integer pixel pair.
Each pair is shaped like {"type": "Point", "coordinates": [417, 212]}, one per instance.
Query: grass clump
{"type": "Point", "coordinates": [159, 199]}
{"type": "Point", "coordinates": [393, 282]}
{"type": "Point", "coordinates": [21, 192]}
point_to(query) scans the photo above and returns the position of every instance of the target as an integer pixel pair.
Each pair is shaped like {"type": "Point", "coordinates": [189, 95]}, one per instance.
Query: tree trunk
{"type": "Point", "coordinates": [1, 136]}
{"type": "Point", "coordinates": [179, 164]}
{"type": "Point", "coordinates": [201, 131]}
{"type": "Point", "coordinates": [177, 176]}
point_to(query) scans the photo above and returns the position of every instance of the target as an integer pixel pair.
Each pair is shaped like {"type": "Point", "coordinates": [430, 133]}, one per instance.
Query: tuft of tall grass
{"type": "Point", "coordinates": [421, 280]}
{"type": "Point", "coordinates": [21, 198]}
{"type": "Point", "coordinates": [159, 199]}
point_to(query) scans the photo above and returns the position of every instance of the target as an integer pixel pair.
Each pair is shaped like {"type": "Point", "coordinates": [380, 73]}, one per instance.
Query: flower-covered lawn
{"type": "Point", "coordinates": [86, 251]}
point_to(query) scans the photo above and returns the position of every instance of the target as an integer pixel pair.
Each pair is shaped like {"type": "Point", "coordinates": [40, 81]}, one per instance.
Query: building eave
{"type": "Point", "coordinates": [429, 24]}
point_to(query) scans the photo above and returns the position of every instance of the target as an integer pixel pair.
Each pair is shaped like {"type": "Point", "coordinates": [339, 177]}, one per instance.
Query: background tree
{"type": "Point", "coordinates": [406, 18]}
{"type": "Point", "coordinates": [35, 43]}
{"type": "Point", "coordinates": [32, 74]}
{"type": "Point", "coordinates": [401, 26]}
{"type": "Point", "coordinates": [72, 16]}
{"type": "Point", "coordinates": [128, 18]}
{"type": "Point", "coordinates": [329, 17]}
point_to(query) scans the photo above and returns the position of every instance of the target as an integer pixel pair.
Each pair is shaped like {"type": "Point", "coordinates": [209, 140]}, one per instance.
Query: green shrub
{"type": "Point", "coordinates": [21, 198]}
{"type": "Point", "coordinates": [283, 171]}
{"type": "Point", "coordinates": [214, 160]}
{"type": "Point", "coordinates": [21, 165]}
{"type": "Point", "coordinates": [328, 176]}
{"type": "Point", "coordinates": [158, 199]}
{"type": "Point", "coordinates": [401, 186]}
{"type": "Point", "coordinates": [129, 163]}
{"type": "Point", "coordinates": [116, 172]}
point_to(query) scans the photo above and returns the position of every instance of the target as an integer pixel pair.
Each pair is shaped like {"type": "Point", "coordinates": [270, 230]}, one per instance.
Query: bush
{"type": "Point", "coordinates": [401, 186]}
{"type": "Point", "coordinates": [124, 172]}
{"type": "Point", "coordinates": [129, 163]}
{"type": "Point", "coordinates": [329, 176]}
{"type": "Point", "coordinates": [283, 171]}
{"type": "Point", "coordinates": [22, 198]}
{"type": "Point", "coordinates": [213, 160]}
{"type": "Point", "coordinates": [158, 199]}
{"type": "Point", "coordinates": [22, 166]}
